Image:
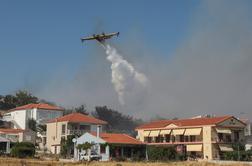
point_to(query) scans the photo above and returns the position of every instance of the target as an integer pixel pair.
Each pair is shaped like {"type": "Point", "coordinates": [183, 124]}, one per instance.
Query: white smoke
{"type": "Point", "coordinates": [125, 78]}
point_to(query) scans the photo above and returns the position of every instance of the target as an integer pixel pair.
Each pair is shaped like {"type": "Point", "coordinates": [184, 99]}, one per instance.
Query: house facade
{"type": "Point", "coordinates": [71, 124]}
{"type": "Point", "coordinates": [18, 135]}
{"type": "Point", "coordinates": [110, 145]}
{"type": "Point", "coordinates": [4, 145]}
{"type": "Point", "coordinates": [248, 135]}
{"type": "Point", "coordinates": [41, 112]}
{"type": "Point", "coordinates": [204, 137]}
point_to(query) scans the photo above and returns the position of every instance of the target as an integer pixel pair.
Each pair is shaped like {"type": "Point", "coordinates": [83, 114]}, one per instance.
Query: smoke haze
{"type": "Point", "coordinates": [209, 73]}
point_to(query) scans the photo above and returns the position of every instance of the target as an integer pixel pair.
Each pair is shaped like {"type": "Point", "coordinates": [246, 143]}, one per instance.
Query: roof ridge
{"type": "Point", "coordinates": [131, 137]}
{"type": "Point", "coordinates": [186, 122]}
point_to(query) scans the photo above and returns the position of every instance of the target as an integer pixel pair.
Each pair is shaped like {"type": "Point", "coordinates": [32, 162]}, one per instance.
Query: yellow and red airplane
{"type": "Point", "coordinates": [100, 37]}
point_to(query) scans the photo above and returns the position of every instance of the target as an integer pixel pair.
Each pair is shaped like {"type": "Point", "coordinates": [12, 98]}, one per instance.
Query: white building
{"type": "Point", "coordinates": [110, 145]}
{"type": "Point", "coordinates": [4, 145]}
{"type": "Point", "coordinates": [19, 116]}
{"type": "Point", "coordinates": [248, 135]}
{"type": "Point", "coordinates": [18, 135]}
{"type": "Point", "coordinates": [61, 128]}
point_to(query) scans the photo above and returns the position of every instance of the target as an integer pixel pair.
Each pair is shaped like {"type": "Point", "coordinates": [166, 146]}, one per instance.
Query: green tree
{"type": "Point", "coordinates": [67, 146]}
{"type": "Point", "coordinates": [84, 146]}
{"type": "Point", "coordinates": [80, 109]}
{"type": "Point", "coordinates": [24, 97]}
{"type": "Point", "coordinates": [162, 153]}
{"type": "Point", "coordinates": [23, 149]}
{"type": "Point", "coordinates": [8, 102]}
{"type": "Point", "coordinates": [20, 98]}
{"type": "Point", "coordinates": [117, 122]}
{"type": "Point", "coordinates": [32, 124]}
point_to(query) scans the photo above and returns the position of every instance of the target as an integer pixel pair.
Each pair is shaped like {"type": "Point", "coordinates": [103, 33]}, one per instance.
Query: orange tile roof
{"type": "Point", "coordinates": [78, 117]}
{"type": "Point", "coordinates": [38, 106]}
{"type": "Point", "coordinates": [116, 138]}
{"type": "Point", "coordinates": [185, 122]}
{"type": "Point", "coordinates": [11, 131]}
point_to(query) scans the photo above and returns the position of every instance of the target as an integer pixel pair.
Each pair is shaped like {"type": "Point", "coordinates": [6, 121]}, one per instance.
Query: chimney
{"type": "Point", "coordinates": [98, 131]}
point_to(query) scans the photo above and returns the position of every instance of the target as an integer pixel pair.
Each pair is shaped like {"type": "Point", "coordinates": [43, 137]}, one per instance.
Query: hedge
{"type": "Point", "coordinates": [23, 149]}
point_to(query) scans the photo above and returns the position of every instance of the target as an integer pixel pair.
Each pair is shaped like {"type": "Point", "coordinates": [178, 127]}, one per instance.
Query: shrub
{"type": "Point", "coordinates": [162, 153]}
{"type": "Point", "coordinates": [235, 155]}
{"type": "Point", "coordinates": [23, 149]}
{"type": "Point", "coordinates": [119, 159]}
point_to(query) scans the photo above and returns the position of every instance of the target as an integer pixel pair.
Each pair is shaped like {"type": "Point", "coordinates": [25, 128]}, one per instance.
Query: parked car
{"type": "Point", "coordinates": [92, 157]}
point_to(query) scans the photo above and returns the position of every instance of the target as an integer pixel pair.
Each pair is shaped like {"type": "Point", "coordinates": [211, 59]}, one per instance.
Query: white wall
{"type": "Point", "coordinates": [20, 119]}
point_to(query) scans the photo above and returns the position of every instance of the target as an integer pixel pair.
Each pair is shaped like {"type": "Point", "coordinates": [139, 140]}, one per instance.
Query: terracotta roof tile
{"type": "Point", "coordinates": [78, 117]}
{"type": "Point", "coordinates": [117, 138]}
{"type": "Point", "coordinates": [185, 122]}
{"type": "Point", "coordinates": [38, 106]}
{"type": "Point", "coordinates": [12, 131]}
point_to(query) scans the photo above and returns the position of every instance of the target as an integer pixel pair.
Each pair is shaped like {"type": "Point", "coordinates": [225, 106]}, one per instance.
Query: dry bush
{"type": "Point", "coordinates": [33, 162]}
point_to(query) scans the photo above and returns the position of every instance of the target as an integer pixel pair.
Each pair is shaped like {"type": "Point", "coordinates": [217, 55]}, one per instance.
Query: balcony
{"type": "Point", "coordinates": [173, 140]}
{"type": "Point", "coordinates": [76, 132]}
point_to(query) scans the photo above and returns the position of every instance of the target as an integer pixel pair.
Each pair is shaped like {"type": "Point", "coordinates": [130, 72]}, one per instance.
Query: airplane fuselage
{"type": "Point", "coordinates": [100, 37]}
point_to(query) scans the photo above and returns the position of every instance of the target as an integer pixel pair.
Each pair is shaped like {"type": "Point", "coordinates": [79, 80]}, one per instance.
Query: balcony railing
{"type": "Point", "coordinates": [223, 140]}
{"type": "Point", "coordinates": [162, 140]}
{"type": "Point", "coordinates": [76, 132]}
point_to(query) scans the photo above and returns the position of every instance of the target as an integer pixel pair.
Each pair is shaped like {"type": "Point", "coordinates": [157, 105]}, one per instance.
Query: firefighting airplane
{"type": "Point", "coordinates": [100, 37]}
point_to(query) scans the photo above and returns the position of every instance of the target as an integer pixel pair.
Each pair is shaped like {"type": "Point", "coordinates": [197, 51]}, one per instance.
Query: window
{"type": "Point", "coordinates": [84, 127]}
{"type": "Point", "coordinates": [161, 139]}
{"type": "Point", "coordinates": [103, 149]}
{"type": "Point", "coordinates": [220, 136]}
{"type": "Point", "coordinates": [167, 138]}
{"type": "Point", "coordinates": [192, 138]}
{"type": "Point", "coordinates": [228, 138]}
{"type": "Point", "coordinates": [63, 129]}
{"type": "Point", "coordinates": [181, 138]}
{"type": "Point", "coordinates": [157, 139]}
{"type": "Point", "coordinates": [173, 138]}
{"type": "Point", "coordinates": [236, 136]}
{"type": "Point", "coordinates": [186, 138]}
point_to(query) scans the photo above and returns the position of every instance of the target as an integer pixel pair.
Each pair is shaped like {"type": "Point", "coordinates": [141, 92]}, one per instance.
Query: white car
{"type": "Point", "coordinates": [92, 157]}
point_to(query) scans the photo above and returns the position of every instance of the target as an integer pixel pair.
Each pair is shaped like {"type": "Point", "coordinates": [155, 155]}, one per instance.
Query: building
{"type": "Point", "coordinates": [248, 134]}
{"type": "Point", "coordinates": [110, 145]}
{"type": "Point", "coordinates": [4, 145]}
{"type": "Point", "coordinates": [71, 124]}
{"type": "Point", "coordinates": [203, 137]}
{"type": "Point", "coordinates": [18, 135]}
{"type": "Point", "coordinates": [19, 116]}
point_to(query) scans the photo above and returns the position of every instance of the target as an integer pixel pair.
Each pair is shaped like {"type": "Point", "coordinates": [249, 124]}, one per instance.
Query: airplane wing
{"type": "Point", "coordinates": [112, 34]}
{"type": "Point", "coordinates": [87, 38]}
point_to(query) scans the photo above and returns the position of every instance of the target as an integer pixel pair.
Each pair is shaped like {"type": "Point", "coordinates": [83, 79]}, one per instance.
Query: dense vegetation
{"type": "Point", "coordinates": [20, 98]}
{"type": "Point", "coordinates": [67, 146]}
{"type": "Point", "coordinates": [239, 153]}
{"type": "Point", "coordinates": [117, 122]}
{"type": "Point", "coordinates": [23, 149]}
{"type": "Point", "coordinates": [158, 153]}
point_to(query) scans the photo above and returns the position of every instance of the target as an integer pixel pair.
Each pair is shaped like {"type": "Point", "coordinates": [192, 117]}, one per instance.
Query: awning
{"type": "Point", "coordinates": [223, 130]}
{"type": "Point", "coordinates": [194, 148]}
{"type": "Point", "coordinates": [154, 133]}
{"type": "Point", "coordinates": [163, 132]}
{"type": "Point", "coordinates": [226, 148]}
{"type": "Point", "coordinates": [146, 133]}
{"type": "Point", "coordinates": [195, 131]}
{"type": "Point", "coordinates": [178, 131]}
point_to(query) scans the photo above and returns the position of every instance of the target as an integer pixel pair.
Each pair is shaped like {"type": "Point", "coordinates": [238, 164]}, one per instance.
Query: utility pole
{"type": "Point", "coordinates": [238, 152]}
